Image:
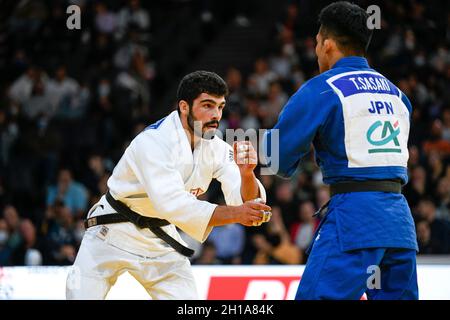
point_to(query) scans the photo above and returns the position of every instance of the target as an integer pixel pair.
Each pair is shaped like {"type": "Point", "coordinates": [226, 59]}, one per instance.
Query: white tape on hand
{"type": "Point", "coordinates": [243, 147]}
{"type": "Point", "coordinates": [266, 214]}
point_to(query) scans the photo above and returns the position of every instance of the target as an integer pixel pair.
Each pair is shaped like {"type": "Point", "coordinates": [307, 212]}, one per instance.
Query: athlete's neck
{"type": "Point", "coordinates": [192, 137]}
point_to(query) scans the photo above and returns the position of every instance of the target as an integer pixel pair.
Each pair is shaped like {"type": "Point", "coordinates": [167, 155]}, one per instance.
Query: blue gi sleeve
{"type": "Point", "coordinates": [407, 103]}
{"type": "Point", "coordinates": [297, 125]}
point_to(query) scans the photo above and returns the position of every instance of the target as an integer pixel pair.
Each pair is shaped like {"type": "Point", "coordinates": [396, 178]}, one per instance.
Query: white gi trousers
{"type": "Point", "coordinates": [165, 274]}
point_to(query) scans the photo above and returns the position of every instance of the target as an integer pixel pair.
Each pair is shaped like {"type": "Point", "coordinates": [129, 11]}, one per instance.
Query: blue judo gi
{"type": "Point", "coordinates": [358, 122]}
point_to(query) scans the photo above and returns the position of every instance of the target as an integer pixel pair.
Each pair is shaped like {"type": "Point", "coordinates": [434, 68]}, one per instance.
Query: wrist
{"type": "Point", "coordinates": [247, 174]}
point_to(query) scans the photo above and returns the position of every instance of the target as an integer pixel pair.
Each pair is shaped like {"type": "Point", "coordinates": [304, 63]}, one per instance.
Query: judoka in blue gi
{"type": "Point", "coordinates": [358, 123]}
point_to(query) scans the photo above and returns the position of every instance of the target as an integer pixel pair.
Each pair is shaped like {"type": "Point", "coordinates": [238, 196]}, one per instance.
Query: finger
{"type": "Point", "coordinates": [250, 147]}
{"type": "Point", "coordinates": [257, 221]}
{"type": "Point", "coordinates": [260, 206]}
{"type": "Point", "coordinates": [257, 214]}
{"type": "Point", "coordinates": [243, 147]}
{"type": "Point", "coordinates": [266, 216]}
{"type": "Point", "coordinates": [244, 154]}
{"type": "Point", "coordinates": [253, 160]}
{"type": "Point", "coordinates": [252, 219]}
{"type": "Point", "coordinates": [242, 160]}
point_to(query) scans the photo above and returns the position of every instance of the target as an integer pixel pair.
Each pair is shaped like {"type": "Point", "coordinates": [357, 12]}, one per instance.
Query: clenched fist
{"type": "Point", "coordinates": [245, 156]}
{"type": "Point", "coordinates": [253, 213]}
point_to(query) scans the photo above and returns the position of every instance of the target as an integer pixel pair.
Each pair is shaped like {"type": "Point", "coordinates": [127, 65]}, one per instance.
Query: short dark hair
{"type": "Point", "coordinates": [346, 23]}
{"type": "Point", "coordinates": [194, 84]}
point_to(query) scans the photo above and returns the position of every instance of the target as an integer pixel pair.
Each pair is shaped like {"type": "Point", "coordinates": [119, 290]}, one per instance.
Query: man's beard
{"type": "Point", "coordinates": [195, 128]}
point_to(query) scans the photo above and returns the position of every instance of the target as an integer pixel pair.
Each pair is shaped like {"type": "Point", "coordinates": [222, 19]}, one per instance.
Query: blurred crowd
{"type": "Point", "coordinates": [72, 100]}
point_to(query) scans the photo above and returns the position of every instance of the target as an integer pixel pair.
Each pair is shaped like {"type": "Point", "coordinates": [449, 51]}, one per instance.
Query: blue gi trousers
{"type": "Point", "coordinates": [331, 273]}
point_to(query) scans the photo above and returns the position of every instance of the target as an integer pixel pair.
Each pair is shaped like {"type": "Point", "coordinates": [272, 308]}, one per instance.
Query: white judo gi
{"type": "Point", "coordinates": [158, 176]}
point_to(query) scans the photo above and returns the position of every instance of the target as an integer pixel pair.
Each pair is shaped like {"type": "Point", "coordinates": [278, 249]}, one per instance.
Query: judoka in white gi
{"type": "Point", "coordinates": [160, 175]}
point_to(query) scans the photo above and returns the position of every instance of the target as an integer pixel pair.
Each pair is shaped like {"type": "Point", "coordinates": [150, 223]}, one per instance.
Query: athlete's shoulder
{"type": "Point", "coordinates": [315, 90]}
{"type": "Point", "coordinates": [315, 82]}
{"type": "Point", "coordinates": [163, 123]}
{"type": "Point", "coordinates": [317, 87]}
{"type": "Point", "coordinates": [156, 134]}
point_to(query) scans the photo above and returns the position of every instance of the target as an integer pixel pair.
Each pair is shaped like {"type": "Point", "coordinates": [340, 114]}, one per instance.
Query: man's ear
{"type": "Point", "coordinates": [328, 45]}
{"type": "Point", "coordinates": [183, 106]}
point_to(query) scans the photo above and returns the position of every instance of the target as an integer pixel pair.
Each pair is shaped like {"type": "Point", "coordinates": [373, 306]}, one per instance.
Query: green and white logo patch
{"type": "Point", "coordinates": [385, 142]}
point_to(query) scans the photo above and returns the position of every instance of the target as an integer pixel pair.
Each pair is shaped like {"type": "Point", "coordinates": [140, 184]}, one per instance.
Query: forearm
{"type": "Point", "coordinates": [223, 215]}
{"type": "Point", "coordinates": [249, 186]}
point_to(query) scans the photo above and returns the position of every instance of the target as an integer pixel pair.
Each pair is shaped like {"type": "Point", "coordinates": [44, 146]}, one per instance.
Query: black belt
{"type": "Point", "coordinates": [125, 214]}
{"type": "Point", "coordinates": [393, 186]}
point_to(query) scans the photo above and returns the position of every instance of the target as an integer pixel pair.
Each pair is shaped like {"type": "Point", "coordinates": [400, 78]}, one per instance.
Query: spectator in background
{"type": "Point", "coordinates": [134, 84]}
{"type": "Point", "coordinates": [28, 253]}
{"type": "Point", "coordinates": [259, 81]}
{"type": "Point", "coordinates": [304, 187]}
{"type": "Point", "coordinates": [94, 173]}
{"type": "Point", "coordinates": [102, 185]}
{"type": "Point", "coordinates": [22, 88]}
{"type": "Point", "coordinates": [207, 255]}
{"type": "Point", "coordinates": [105, 20]}
{"type": "Point", "coordinates": [439, 238]}
{"type": "Point", "coordinates": [38, 105]}
{"type": "Point", "coordinates": [414, 156]}
{"type": "Point", "coordinates": [68, 98]}
{"type": "Point", "coordinates": [322, 196]}
{"type": "Point", "coordinates": [229, 242]}
{"type": "Point", "coordinates": [419, 128]}
{"type": "Point", "coordinates": [124, 55]}
{"type": "Point", "coordinates": [268, 181]}
{"type": "Point", "coordinates": [417, 186]}
{"type": "Point", "coordinates": [297, 78]}
{"type": "Point", "coordinates": [302, 232]}
{"type": "Point", "coordinates": [12, 220]}
{"type": "Point", "coordinates": [281, 63]}
{"type": "Point", "coordinates": [424, 238]}
{"type": "Point", "coordinates": [133, 15]}
{"type": "Point", "coordinates": [275, 246]}
{"type": "Point", "coordinates": [286, 201]}
{"type": "Point", "coordinates": [251, 119]}
{"type": "Point", "coordinates": [271, 107]}
{"type": "Point", "coordinates": [446, 124]}
{"type": "Point", "coordinates": [236, 94]}
{"type": "Point", "coordinates": [10, 230]}
{"type": "Point", "coordinates": [286, 57]}
{"type": "Point", "coordinates": [4, 250]}
{"type": "Point", "coordinates": [436, 169]}
{"type": "Point", "coordinates": [443, 199]}
{"type": "Point", "coordinates": [9, 132]}
{"type": "Point", "coordinates": [60, 239]}
{"type": "Point", "coordinates": [73, 194]}
{"type": "Point", "coordinates": [100, 54]}
{"type": "Point", "coordinates": [435, 141]}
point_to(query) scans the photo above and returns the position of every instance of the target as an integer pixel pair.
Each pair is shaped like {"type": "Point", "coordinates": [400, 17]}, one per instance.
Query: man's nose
{"type": "Point", "coordinates": [215, 114]}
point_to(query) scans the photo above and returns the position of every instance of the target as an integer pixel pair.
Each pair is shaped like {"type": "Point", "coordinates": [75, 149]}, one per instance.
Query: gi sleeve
{"type": "Point", "coordinates": [407, 103]}
{"type": "Point", "coordinates": [228, 174]}
{"type": "Point", "coordinates": [152, 163]}
{"type": "Point", "coordinates": [297, 125]}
